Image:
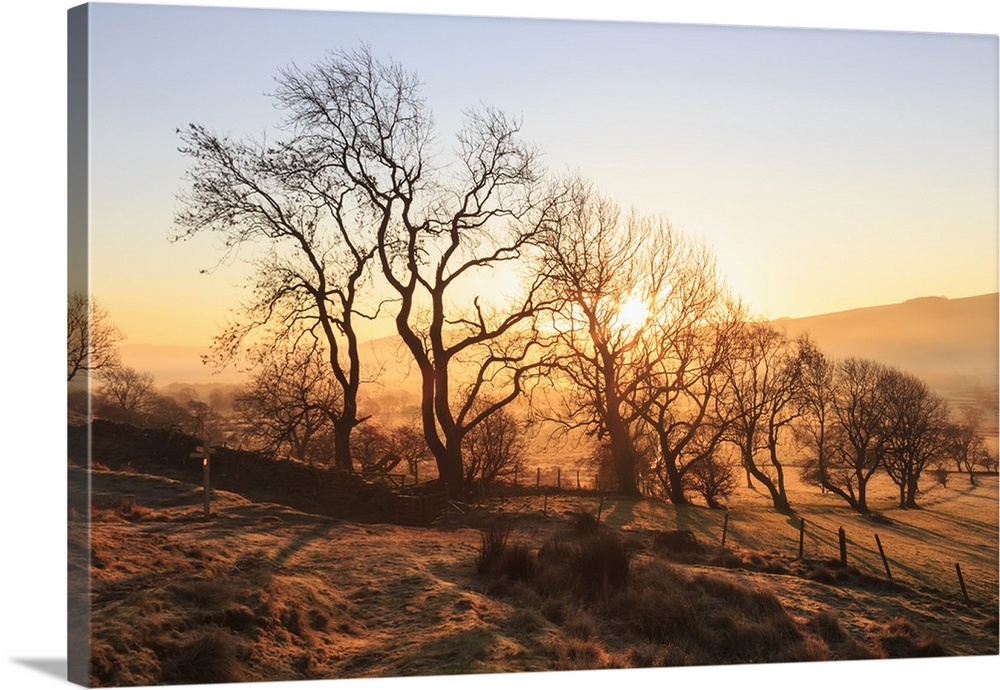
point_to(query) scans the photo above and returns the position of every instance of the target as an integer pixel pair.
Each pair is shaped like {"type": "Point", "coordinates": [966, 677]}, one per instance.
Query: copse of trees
{"type": "Point", "coordinates": [353, 213]}
{"type": "Point", "coordinates": [861, 417]}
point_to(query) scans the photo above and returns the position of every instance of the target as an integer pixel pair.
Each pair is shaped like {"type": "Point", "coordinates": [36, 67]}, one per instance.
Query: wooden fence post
{"type": "Point", "coordinates": [600, 509]}
{"type": "Point", "coordinates": [558, 479]}
{"type": "Point", "coordinates": [961, 581]}
{"type": "Point", "coordinates": [725, 528]}
{"type": "Point", "coordinates": [578, 480]}
{"type": "Point", "coordinates": [538, 478]}
{"type": "Point", "coordinates": [885, 562]}
{"type": "Point", "coordinates": [843, 547]}
{"type": "Point", "coordinates": [802, 534]}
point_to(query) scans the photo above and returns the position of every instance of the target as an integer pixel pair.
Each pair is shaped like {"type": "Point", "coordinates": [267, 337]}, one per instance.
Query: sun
{"type": "Point", "coordinates": [633, 313]}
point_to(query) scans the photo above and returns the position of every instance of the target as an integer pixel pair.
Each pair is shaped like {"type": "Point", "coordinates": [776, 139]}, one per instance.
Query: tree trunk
{"type": "Point", "coordinates": [911, 493]}
{"type": "Point", "coordinates": [450, 472]}
{"type": "Point", "coordinates": [779, 501]}
{"type": "Point", "coordinates": [862, 502]}
{"type": "Point", "coordinates": [623, 460]}
{"type": "Point", "coordinates": [342, 444]}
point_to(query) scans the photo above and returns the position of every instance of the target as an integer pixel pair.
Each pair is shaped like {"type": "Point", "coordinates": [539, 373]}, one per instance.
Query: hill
{"type": "Point", "coordinates": [952, 344]}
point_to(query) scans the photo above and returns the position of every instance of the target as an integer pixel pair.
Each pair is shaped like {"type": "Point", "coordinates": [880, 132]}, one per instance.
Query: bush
{"type": "Point", "coordinates": [940, 474]}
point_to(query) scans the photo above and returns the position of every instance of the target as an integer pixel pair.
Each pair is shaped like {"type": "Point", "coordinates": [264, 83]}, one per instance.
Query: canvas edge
{"type": "Point", "coordinates": [78, 279]}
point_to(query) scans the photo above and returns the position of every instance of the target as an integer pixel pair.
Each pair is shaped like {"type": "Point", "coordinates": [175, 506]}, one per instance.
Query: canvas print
{"type": "Point", "coordinates": [412, 345]}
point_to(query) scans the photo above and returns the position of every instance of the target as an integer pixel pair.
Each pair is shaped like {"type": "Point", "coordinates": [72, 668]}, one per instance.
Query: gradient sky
{"type": "Point", "coordinates": [828, 169]}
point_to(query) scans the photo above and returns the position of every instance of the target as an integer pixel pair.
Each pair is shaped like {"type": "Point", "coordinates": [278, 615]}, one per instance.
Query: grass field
{"type": "Point", "coordinates": [264, 592]}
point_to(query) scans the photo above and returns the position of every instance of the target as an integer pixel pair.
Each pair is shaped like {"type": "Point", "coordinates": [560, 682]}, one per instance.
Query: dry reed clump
{"type": "Point", "coordinates": [900, 639]}
{"type": "Point", "coordinates": [825, 626]}
{"type": "Point", "coordinates": [209, 655]}
{"type": "Point", "coordinates": [502, 559]}
{"type": "Point", "coordinates": [121, 507]}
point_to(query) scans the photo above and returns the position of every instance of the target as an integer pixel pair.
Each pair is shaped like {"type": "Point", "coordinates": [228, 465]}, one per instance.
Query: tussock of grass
{"type": "Point", "coordinates": [211, 655]}
{"type": "Point", "coordinates": [587, 565]}
{"type": "Point", "coordinates": [900, 639]}
{"type": "Point", "coordinates": [123, 507]}
{"type": "Point", "coordinates": [499, 558]}
{"type": "Point", "coordinates": [826, 627]}
{"type": "Point", "coordinates": [678, 541]}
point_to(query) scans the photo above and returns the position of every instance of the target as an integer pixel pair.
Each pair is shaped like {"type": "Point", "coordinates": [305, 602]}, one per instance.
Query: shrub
{"type": "Point", "coordinates": [940, 474]}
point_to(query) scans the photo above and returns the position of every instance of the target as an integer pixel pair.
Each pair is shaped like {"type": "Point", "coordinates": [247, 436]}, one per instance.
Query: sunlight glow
{"type": "Point", "coordinates": [633, 314]}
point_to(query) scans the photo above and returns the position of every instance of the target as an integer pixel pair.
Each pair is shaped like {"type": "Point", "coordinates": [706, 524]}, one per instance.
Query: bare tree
{"type": "Point", "coordinates": [595, 265]}
{"type": "Point", "coordinates": [439, 232]}
{"type": "Point", "coordinates": [684, 396]}
{"type": "Point", "coordinates": [125, 393]}
{"type": "Point", "coordinates": [289, 405]}
{"type": "Point", "coordinates": [765, 382]}
{"type": "Point", "coordinates": [91, 337]}
{"type": "Point", "coordinates": [408, 443]}
{"type": "Point", "coordinates": [290, 198]}
{"type": "Point", "coordinates": [496, 448]}
{"type": "Point", "coordinates": [916, 421]}
{"type": "Point", "coordinates": [713, 476]}
{"type": "Point", "coordinates": [965, 442]}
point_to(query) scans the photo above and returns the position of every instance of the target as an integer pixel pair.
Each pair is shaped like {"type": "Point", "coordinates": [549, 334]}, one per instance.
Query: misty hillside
{"type": "Point", "coordinates": [950, 343]}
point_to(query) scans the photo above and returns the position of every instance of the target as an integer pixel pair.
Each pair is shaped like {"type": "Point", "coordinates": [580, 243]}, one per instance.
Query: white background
{"type": "Point", "coordinates": [33, 253]}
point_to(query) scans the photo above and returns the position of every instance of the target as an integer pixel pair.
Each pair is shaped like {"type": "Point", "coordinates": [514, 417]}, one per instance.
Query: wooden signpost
{"type": "Point", "coordinates": [204, 452]}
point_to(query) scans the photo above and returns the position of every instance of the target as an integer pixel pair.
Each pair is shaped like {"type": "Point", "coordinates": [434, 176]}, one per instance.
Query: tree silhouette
{"type": "Point", "coordinates": [124, 393]}
{"type": "Point", "coordinates": [593, 266]}
{"type": "Point", "coordinates": [844, 422]}
{"type": "Point", "coordinates": [304, 213]}
{"type": "Point", "coordinates": [916, 420]}
{"type": "Point", "coordinates": [439, 231]}
{"type": "Point", "coordinates": [966, 445]}
{"type": "Point", "coordinates": [91, 337]}
{"type": "Point", "coordinates": [289, 405]}
{"type": "Point", "coordinates": [765, 381]}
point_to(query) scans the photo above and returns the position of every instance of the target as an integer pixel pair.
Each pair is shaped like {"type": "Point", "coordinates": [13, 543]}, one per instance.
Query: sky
{"type": "Point", "coordinates": [33, 51]}
{"type": "Point", "coordinates": [827, 169]}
